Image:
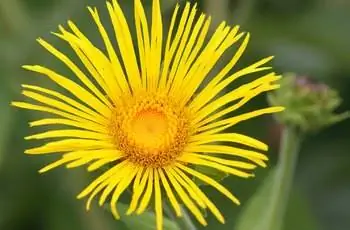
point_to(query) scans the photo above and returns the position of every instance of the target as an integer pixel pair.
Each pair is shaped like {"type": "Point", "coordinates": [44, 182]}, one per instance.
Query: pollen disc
{"type": "Point", "coordinates": [152, 130]}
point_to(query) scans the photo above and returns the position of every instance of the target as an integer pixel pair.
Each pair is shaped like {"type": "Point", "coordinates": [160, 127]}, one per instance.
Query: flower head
{"type": "Point", "coordinates": [141, 111]}
{"type": "Point", "coordinates": [311, 105]}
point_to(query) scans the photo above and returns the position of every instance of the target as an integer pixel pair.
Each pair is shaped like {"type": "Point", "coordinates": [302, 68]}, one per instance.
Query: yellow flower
{"type": "Point", "coordinates": [141, 110]}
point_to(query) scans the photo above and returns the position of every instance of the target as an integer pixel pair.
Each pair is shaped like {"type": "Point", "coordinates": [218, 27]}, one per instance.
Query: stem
{"type": "Point", "coordinates": [184, 223]}
{"type": "Point", "coordinates": [283, 180]}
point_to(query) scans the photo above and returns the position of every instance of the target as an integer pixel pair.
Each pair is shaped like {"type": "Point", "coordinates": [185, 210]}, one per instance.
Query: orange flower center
{"type": "Point", "coordinates": [150, 129]}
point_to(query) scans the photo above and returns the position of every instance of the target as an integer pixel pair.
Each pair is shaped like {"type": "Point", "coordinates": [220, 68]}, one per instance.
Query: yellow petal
{"type": "Point", "coordinates": [156, 46]}
{"type": "Point", "coordinates": [124, 183]}
{"type": "Point", "coordinates": [99, 163]}
{"type": "Point", "coordinates": [116, 66]}
{"type": "Point", "coordinates": [245, 93]}
{"type": "Point", "coordinates": [143, 41]}
{"type": "Point", "coordinates": [228, 137]}
{"type": "Point", "coordinates": [185, 198]}
{"type": "Point", "coordinates": [222, 149]}
{"type": "Point", "coordinates": [138, 189]}
{"type": "Point", "coordinates": [72, 87]}
{"type": "Point", "coordinates": [167, 54]}
{"type": "Point", "coordinates": [174, 203]}
{"type": "Point", "coordinates": [202, 196]}
{"type": "Point", "coordinates": [101, 179]}
{"type": "Point", "coordinates": [54, 165]}
{"type": "Point", "coordinates": [69, 133]}
{"type": "Point", "coordinates": [66, 99]}
{"type": "Point", "coordinates": [85, 57]}
{"type": "Point", "coordinates": [191, 50]}
{"type": "Point", "coordinates": [46, 109]}
{"type": "Point", "coordinates": [60, 121]}
{"type": "Point", "coordinates": [192, 193]}
{"type": "Point", "coordinates": [125, 43]}
{"type": "Point", "coordinates": [171, 50]}
{"type": "Point", "coordinates": [147, 195]}
{"type": "Point", "coordinates": [176, 67]}
{"type": "Point", "coordinates": [204, 96]}
{"type": "Point", "coordinates": [228, 122]}
{"type": "Point", "coordinates": [187, 158]}
{"type": "Point", "coordinates": [209, 181]}
{"type": "Point", "coordinates": [112, 182]}
{"type": "Point", "coordinates": [70, 145]}
{"type": "Point", "coordinates": [158, 201]}
{"type": "Point", "coordinates": [74, 69]}
{"type": "Point", "coordinates": [233, 163]}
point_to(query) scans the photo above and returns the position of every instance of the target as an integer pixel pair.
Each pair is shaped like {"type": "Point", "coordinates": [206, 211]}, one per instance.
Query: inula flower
{"type": "Point", "coordinates": [141, 108]}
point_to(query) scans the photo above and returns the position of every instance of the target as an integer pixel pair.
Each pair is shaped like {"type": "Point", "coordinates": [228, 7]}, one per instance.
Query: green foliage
{"type": "Point", "coordinates": [299, 214]}
{"type": "Point", "coordinates": [145, 221]}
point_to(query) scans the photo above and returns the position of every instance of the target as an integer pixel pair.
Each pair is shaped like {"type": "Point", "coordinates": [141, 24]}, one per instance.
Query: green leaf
{"type": "Point", "coordinates": [145, 221]}
{"type": "Point", "coordinates": [298, 215]}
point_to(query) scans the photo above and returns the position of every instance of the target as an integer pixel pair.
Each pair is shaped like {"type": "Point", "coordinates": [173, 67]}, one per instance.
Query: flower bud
{"type": "Point", "coordinates": [310, 106]}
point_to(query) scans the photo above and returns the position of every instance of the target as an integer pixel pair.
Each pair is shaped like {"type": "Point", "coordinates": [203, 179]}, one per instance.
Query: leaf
{"type": "Point", "coordinates": [254, 209]}
{"type": "Point", "coordinates": [145, 221]}
{"type": "Point", "coordinates": [298, 214]}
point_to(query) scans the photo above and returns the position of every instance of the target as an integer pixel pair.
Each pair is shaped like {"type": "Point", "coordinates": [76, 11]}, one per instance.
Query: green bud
{"type": "Point", "coordinates": [310, 106]}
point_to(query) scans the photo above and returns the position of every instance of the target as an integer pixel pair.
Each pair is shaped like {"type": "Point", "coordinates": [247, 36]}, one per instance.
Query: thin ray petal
{"type": "Point", "coordinates": [60, 106]}
{"type": "Point", "coordinates": [199, 192]}
{"type": "Point", "coordinates": [167, 54]}
{"type": "Point", "coordinates": [69, 133]}
{"type": "Point", "coordinates": [147, 195]}
{"type": "Point", "coordinates": [189, 189]}
{"type": "Point", "coordinates": [126, 47]}
{"type": "Point", "coordinates": [71, 86]}
{"type": "Point", "coordinates": [225, 123]}
{"type": "Point", "coordinates": [156, 45]}
{"type": "Point", "coordinates": [101, 179]}
{"type": "Point", "coordinates": [185, 198]}
{"type": "Point", "coordinates": [74, 69]}
{"type": "Point", "coordinates": [139, 188]}
{"type": "Point", "coordinates": [174, 203]}
{"type": "Point", "coordinates": [201, 139]}
{"type": "Point", "coordinates": [158, 201]}
{"type": "Point", "coordinates": [203, 97]}
{"type": "Point", "coordinates": [100, 163]}
{"type": "Point", "coordinates": [46, 109]}
{"type": "Point", "coordinates": [124, 183]}
{"type": "Point", "coordinates": [69, 145]}
{"type": "Point", "coordinates": [60, 121]}
{"type": "Point", "coordinates": [143, 40]}
{"type": "Point", "coordinates": [66, 99]}
{"type": "Point", "coordinates": [198, 161]}
{"type": "Point", "coordinates": [55, 164]}
{"type": "Point", "coordinates": [209, 181]}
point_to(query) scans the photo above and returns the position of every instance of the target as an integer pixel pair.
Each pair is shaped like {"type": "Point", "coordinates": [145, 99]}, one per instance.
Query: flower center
{"type": "Point", "coordinates": [150, 129]}
{"type": "Point", "coordinates": [149, 126]}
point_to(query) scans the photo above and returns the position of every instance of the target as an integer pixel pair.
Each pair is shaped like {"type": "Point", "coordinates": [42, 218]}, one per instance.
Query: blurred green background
{"type": "Point", "coordinates": [308, 37]}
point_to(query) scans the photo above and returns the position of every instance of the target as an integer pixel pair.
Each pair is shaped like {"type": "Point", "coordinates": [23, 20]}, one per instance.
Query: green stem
{"type": "Point", "coordinates": [283, 180]}
{"type": "Point", "coordinates": [184, 222]}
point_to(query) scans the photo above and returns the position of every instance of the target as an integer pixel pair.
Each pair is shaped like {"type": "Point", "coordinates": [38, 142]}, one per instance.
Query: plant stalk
{"type": "Point", "coordinates": [184, 222]}
{"type": "Point", "coordinates": [284, 174]}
